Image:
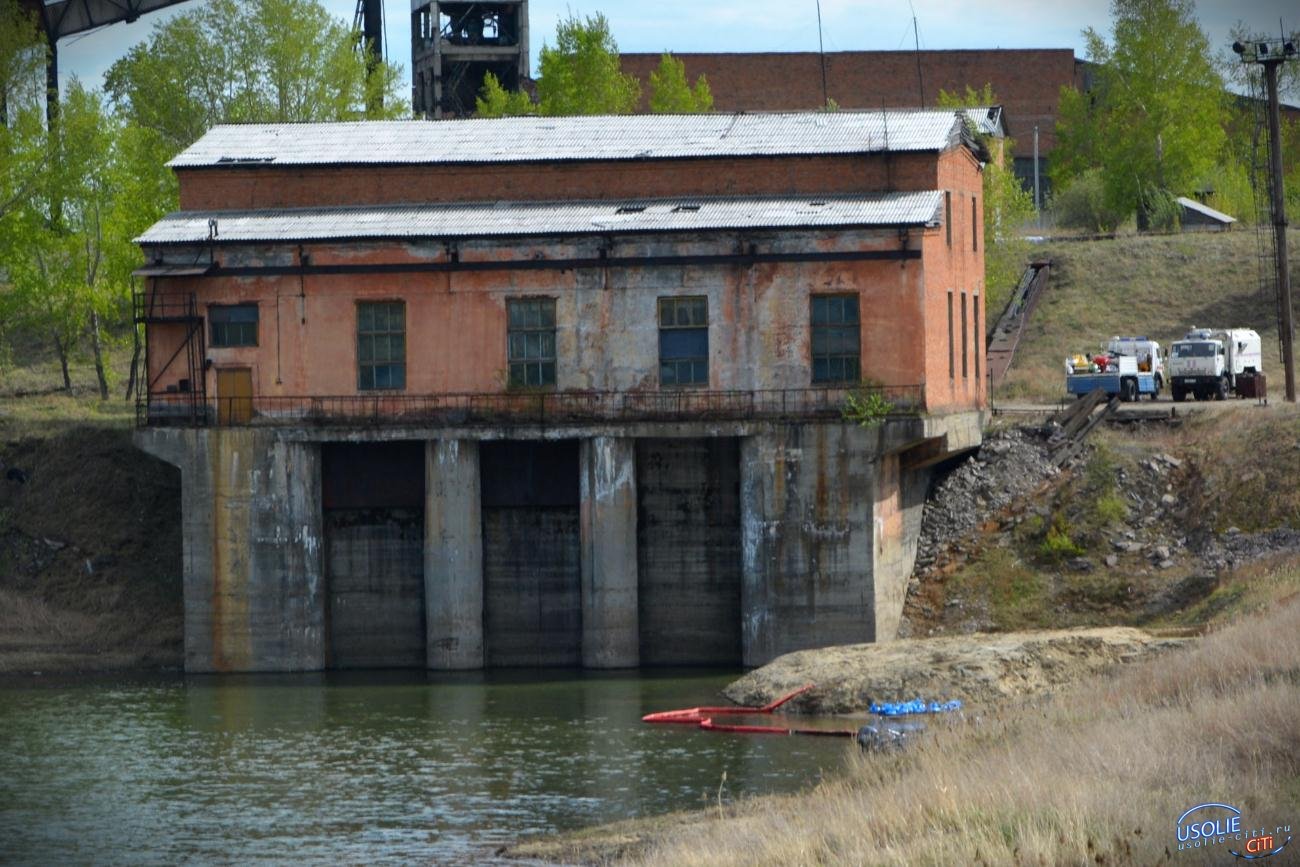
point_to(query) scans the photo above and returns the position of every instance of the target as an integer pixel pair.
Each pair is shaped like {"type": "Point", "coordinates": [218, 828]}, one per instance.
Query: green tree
{"type": "Point", "coordinates": [22, 82]}
{"type": "Point", "coordinates": [61, 283]}
{"type": "Point", "coordinates": [1008, 208]}
{"type": "Point", "coordinates": [22, 55]}
{"type": "Point", "coordinates": [581, 74]}
{"type": "Point", "coordinates": [248, 60]}
{"type": "Point", "coordinates": [1153, 122]}
{"type": "Point", "coordinates": [671, 93]}
{"type": "Point", "coordinates": [495, 101]}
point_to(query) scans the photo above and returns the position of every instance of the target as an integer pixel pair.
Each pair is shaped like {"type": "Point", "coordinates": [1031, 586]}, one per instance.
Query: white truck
{"type": "Point", "coordinates": [1147, 353]}
{"type": "Point", "coordinates": [1215, 362]}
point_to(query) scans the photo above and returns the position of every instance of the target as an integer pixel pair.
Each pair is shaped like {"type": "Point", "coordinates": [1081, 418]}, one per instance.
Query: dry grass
{"type": "Point", "coordinates": [24, 618]}
{"type": "Point", "coordinates": [32, 398]}
{"type": "Point", "coordinates": [1096, 774]}
{"type": "Point", "coordinates": [1154, 285]}
{"type": "Point", "coordinates": [1245, 467]}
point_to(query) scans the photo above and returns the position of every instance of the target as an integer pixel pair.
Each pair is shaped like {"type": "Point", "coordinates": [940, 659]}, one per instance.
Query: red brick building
{"type": "Point", "coordinates": [482, 392]}
{"type": "Point", "coordinates": [1026, 81]}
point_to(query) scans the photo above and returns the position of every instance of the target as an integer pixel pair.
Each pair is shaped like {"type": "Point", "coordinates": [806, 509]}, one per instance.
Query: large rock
{"type": "Point", "coordinates": [973, 668]}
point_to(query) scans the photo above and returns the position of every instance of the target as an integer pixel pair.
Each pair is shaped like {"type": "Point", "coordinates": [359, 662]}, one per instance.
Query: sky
{"type": "Point", "coordinates": [763, 25]}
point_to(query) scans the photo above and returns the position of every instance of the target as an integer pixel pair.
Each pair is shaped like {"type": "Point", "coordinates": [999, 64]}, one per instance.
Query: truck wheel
{"type": "Point", "coordinates": [1179, 394]}
{"type": "Point", "coordinates": [1128, 390]}
{"type": "Point", "coordinates": [1221, 393]}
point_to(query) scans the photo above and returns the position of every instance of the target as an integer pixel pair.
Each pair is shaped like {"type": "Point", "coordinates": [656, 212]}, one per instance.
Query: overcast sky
{"type": "Point", "coordinates": [765, 25]}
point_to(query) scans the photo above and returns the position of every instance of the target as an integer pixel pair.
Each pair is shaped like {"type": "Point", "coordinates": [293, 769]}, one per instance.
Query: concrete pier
{"type": "Point", "coordinates": [453, 555]}
{"type": "Point", "coordinates": [253, 571]}
{"type": "Point", "coordinates": [806, 535]}
{"type": "Point", "coordinates": [610, 636]}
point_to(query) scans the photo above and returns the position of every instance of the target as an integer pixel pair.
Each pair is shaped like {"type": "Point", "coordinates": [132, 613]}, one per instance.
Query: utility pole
{"type": "Point", "coordinates": [1038, 210]}
{"type": "Point", "coordinates": [821, 55]}
{"type": "Point", "coordinates": [916, 45]}
{"type": "Point", "coordinates": [1271, 54]}
{"type": "Point", "coordinates": [1287, 324]}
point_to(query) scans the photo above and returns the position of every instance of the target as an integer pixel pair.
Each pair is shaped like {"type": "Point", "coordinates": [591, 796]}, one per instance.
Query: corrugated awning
{"type": "Point", "coordinates": [521, 219]}
{"type": "Point", "coordinates": [164, 270]}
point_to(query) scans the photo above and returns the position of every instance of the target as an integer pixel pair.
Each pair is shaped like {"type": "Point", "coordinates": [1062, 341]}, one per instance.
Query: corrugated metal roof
{"type": "Point", "coordinates": [511, 219]}
{"type": "Point", "coordinates": [552, 139]}
{"type": "Point", "coordinates": [1192, 204]}
{"type": "Point", "coordinates": [987, 120]}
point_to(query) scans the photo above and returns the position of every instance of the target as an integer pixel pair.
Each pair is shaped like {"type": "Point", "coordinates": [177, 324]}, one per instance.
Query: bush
{"type": "Point", "coordinates": [866, 407]}
{"type": "Point", "coordinates": [1082, 205]}
{"type": "Point", "coordinates": [1057, 544]}
{"type": "Point", "coordinates": [1158, 210]}
{"type": "Point", "coordinates": [1110, 508]}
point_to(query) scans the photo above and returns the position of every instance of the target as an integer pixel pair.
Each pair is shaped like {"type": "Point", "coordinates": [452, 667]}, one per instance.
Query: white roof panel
{"type": "Point", "coordinates": [1192, 204]}
{"type": "Point", "coordinates": [555, 139]}
{"type": "Point", "coordinates": [520, 219]}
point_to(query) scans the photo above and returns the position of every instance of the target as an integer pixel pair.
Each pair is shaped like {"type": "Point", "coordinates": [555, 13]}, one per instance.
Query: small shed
{"type": "Point", "coordinates": [1196, 216]}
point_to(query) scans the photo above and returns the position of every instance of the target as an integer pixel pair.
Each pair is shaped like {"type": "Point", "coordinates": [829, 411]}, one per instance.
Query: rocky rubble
{"type": "Point", "coordinates": [1233, 548]}
{"type": "Point", "coordinates": [1010, 465]}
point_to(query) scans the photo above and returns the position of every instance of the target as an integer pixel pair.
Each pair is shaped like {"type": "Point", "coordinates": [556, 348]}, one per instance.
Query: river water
{"type": "Point", "coordinates": [360, 767]}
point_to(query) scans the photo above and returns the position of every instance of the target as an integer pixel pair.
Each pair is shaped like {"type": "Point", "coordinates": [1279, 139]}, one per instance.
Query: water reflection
{"type": "Point", "coordinates": [363, 766]}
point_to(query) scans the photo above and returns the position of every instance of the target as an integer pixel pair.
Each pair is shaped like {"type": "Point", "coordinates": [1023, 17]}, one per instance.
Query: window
{"type": "Point", "coordinates": [233, 324]}
{"type": "Point", "coordinates": [381, 345]}
{"type": "Point", "coordinates": [683, 341]}
{"type": "Point", "coordinates": [531, 342]}
{"type": "Point", "coordinates": [965, 344]}
{"type": "Point", "coordinates": [952, 370]}
{"type": "Point", "coordinates": [974, 226]}
{"type": "Point", "coordinates": [947, 215]}
{"type": "Point", "coordinates": [979, 335]}
{"type": "Point", "coordinates": [836, 355]}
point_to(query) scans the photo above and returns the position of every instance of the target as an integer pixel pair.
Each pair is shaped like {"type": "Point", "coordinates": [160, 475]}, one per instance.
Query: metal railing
{"type": "Point", "coordinates": [153, 306]}
{"type": "Point", "coordinates": [545, 408]}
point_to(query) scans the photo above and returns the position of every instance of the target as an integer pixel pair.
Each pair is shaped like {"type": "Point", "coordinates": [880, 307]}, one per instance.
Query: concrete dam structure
{"type": "Point", "coordinates": [577, 428]}
{"type": "Point", "coordinates": [677, 546]}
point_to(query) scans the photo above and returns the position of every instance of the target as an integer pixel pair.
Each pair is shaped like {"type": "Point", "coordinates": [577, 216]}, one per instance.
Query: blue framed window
{"type": "Point", "coordinates": [684, 342]}
{"type": "Point", "coordinates": [836, 350]}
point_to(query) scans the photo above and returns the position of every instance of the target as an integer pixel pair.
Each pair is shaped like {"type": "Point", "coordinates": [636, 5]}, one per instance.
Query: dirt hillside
{"type": "Point", "coordinates": [90, 553]}
{"type": "Point", "coordinates": [976, 668]}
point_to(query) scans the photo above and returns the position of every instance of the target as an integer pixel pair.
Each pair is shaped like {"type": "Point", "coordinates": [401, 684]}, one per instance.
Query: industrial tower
{"type": "Point", "coordinates": [454, 45]}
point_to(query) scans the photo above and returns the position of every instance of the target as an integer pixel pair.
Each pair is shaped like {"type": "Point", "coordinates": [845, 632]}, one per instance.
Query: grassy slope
{"type": "Point", "coordinates": [1236, 471]}
{"type": "Point", "coordinates": [1158, 286]}
{"type": "Point", "coordinates": [1096, 774]}
{"type": "Point", "coordinates": [90, 550]}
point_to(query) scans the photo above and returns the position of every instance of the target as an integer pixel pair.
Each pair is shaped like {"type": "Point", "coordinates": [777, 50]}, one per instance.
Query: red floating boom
{"type": "Point", "coordinates": [703, 717]}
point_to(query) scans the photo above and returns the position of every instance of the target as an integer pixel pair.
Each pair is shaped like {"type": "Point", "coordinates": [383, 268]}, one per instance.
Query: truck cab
{"type": "Point", "coordinates": [1147, 353]}
{"type": "Point", "coordinates": [1209, 363]}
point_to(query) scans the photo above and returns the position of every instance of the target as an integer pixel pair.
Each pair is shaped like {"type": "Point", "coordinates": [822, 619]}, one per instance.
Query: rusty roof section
{"type": "Point", "coordinates": [569, 139]}
{"type": "Point", "coordinates": [522, 219]}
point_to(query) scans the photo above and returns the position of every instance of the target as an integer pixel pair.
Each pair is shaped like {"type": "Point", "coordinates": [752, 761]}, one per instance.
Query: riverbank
{"type": "Point", "coordinates": [1098, 772]}
{"type": "Point", "coordinates": [90, 547]}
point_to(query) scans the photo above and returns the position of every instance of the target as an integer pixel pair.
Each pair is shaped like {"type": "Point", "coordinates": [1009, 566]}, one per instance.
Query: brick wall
{"type": "Point", "coordinates": [1026, 81]}
{"type": "Point", "coordinates": [265, 187]}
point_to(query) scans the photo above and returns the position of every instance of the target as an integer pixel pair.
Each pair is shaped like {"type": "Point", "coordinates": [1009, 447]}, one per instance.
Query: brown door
{"type": "Point", "coordinates": [234, 395]}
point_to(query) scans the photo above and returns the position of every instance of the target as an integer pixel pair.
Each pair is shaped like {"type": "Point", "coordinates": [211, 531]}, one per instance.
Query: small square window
{"type": "Point", "coordinates": [232, 325]}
